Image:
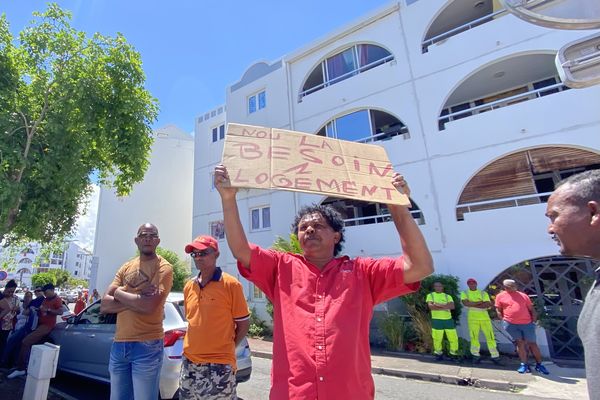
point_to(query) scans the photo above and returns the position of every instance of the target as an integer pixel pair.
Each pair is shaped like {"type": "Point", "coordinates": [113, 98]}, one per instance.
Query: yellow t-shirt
{"type": "Point", "coordinates": [211, 312]}
{"type": "Point", "coordinates": [440, 298]}
{"type": "Point", "coordinates": [134, 276]}
{"type": "Point", "coordinates": [476, 314]}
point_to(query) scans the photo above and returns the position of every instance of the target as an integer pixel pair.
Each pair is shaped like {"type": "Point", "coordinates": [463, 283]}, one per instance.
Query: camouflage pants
{"type": "Point", "coordinates": [206, 381]}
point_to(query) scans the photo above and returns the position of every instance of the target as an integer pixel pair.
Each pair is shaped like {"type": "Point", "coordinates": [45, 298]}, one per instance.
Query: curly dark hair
{"type": "Point", "coordinates": [331, 215]}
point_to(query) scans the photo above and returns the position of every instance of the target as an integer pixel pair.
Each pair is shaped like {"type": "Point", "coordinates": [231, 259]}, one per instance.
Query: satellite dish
{"type": "Point", "coordinates": [558, 14]}
{"type": "Point", "coordinates": [578, 62]}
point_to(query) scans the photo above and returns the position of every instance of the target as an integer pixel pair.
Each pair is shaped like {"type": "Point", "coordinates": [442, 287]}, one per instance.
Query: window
{"type": "Point", "coordinates": [218, 133]}
{"type": "Point", "coordinates": [260, 218]}
{"type": "Point", "coordinates": [343, 65]}
{"type": "Point", "coordinates": [364, 126]}
{"type": "Point", "coordinates": [212, 181]}
{"type": "Point", "coordinates": [257, 101]}
{"type": "Point", "coordinates": [217, 229]}
{"type": "Point", "coordinates": [257, 294]}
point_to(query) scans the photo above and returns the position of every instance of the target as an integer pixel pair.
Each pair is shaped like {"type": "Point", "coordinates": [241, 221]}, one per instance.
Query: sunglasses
{"type": "Point", "coordinates": [201, 253]}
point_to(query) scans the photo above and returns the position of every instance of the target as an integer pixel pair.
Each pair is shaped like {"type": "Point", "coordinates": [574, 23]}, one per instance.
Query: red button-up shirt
{"type": "Point", "coordinates": [321, 320]}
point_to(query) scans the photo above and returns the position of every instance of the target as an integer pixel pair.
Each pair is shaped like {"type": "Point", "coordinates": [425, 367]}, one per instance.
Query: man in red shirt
{"type": "Point", "coordinates": [517, 312]}
{"type": "Point", "coordinates": [49, 309]}
{"type": "Point", "coordinates": [323, 304]}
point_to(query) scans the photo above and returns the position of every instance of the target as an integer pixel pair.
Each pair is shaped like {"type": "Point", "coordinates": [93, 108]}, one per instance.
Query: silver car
{"type": "Point", "coordinates": [94, 332]}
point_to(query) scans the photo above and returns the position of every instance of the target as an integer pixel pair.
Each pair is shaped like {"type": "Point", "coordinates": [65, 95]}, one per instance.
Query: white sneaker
{"type": "Point", "coordinates": [16, 373]}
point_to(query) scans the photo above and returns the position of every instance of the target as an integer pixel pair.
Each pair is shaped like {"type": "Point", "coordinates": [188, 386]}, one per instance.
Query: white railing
{"type": "Point", "coordinates": [344, 76]}
{"type": "Point", "coordinates": [373, 138]}
{"type": "Point", "coordinates": [380, 218]}
{"type": "Point", "coordinates": [532, 94]}
{"type": "Point", "coordinates": [462, 28]}
{"type": "Point", "coordinates": [515, 200]}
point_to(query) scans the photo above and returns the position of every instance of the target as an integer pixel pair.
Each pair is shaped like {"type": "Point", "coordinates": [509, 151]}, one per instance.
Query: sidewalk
{"type": "Point", "coordinates": [562, 383]}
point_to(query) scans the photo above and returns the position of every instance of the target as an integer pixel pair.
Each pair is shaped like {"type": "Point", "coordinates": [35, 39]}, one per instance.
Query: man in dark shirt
{"type": "Point", "coordinates": [574, 212]}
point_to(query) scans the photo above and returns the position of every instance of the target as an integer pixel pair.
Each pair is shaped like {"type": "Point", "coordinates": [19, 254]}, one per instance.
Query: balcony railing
{"type": "Point", "coordinates": [380, 218]}
{"type": "Point", "coordinates": [506, 202]}
{"type": "Point", "coordinates": [345, 76]}
{"type": "Point", "coordinates": [384, 135]}
{"type": "Point", "coordinates": [530, 95]}
{"type": "Point", "coordinates": [459, 29]}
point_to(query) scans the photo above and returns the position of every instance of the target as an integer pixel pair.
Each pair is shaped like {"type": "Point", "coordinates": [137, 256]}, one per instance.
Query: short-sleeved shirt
{"type": "Point", "coordinates": [49, 319]}
{"type": "Point", "coordinates": [133, 277]}
{"type": "Point", "coordinates": [442, 299]}
{"type": "Point", "coordinates": [211, 312]}
{"type": "Point", "coordinates": [321, 320]}
{"type": "Point", "coordinates": [515, 307]}
{"type": "Point", "coordinates": [476, 314]}
{"type": "Point", "coordinates": [6, 323]}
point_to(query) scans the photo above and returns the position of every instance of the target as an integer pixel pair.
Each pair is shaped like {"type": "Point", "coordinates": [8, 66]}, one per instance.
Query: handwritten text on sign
{"type": "Point", "coordinates": [267, 158]}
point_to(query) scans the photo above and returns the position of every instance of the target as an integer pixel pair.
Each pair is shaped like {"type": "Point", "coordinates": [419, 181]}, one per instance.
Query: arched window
{"type": "Point", "coordinates": [500, 84]}
{"type": "Point", "coordinates": [349, 62]}
{"type": "Point", "coordinates": [523, 178]}
{"type": "Point", "coordinates": [356, 212]}
{"type": "Point", "coordinates": [25, 261]}
{"type": "Point", "coordinates": [364, 126]}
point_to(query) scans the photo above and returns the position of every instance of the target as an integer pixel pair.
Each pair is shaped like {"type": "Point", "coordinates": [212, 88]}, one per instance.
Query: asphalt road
{"type": "Point", "coordinates": [257, 388]}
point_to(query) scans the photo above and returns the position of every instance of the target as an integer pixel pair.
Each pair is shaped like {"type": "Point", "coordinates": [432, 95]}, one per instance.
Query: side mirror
{"type": "Point", "coordinates": [71, 320]}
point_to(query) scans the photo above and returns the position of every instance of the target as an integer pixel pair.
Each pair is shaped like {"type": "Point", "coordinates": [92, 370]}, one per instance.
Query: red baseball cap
{"type": "Point", "coordinates": [202, 242]}
{"type": "Point", "coordinates": [471, 280]}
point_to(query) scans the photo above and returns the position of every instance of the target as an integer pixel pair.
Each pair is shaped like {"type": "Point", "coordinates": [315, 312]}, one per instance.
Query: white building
{"type": "Point", "coordinates": [78, 261]}
{"type": "Point", "coordinates": [164, 198]}
{"type": "Point", "coordinates": [22, 262]}
{"type": "Point", "coordinates": [467, 102]}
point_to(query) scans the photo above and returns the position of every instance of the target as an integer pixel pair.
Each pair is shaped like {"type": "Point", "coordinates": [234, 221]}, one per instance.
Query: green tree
{"type": "Point", "coordinates": [70, 106]}
{"type": "Point", "coordinates": [61, 276]}
{"type": "Point", "coordinates": [42, 279]}
{"type": "Point", "coordinates": [74, 282]}
{"type": "Point", "coordinates": [181, 271]}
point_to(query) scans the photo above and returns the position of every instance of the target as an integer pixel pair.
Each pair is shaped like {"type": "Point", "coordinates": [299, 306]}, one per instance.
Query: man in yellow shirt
{"type": "Point", "coordinates": [218, 319]}
{"type": "Point", "coordinates": [478, 302]}
{"type": "Point", "coordinates": [440, 305]}
{"type": "Point", "coordinates": [138, 294]}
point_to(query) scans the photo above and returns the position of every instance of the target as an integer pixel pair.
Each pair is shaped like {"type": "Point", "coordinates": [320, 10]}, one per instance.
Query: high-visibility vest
{"type": "Point", "coordinates": [439, 298]}
{"type": "Point", "coordinates": [476, 295]}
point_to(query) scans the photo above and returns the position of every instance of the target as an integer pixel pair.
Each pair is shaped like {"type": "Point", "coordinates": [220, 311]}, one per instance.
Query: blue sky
{"type": "Point", "coordinates": [193, 49]}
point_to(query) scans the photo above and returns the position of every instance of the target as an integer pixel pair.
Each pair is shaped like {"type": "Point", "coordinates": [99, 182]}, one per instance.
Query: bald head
{"type": "Point", "coordinates": [147, 240]}
{"type": "Point", "coordinates": [147, 226]}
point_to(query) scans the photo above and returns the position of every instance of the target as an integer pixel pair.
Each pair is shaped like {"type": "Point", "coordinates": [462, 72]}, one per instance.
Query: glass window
{"type": "Point", "coordinates": [369, 54]}
{"type": "Point", "coordinates": [222, 132]}
{"type": "Point", "coordinates": [266, 217]}
{"type": "Point", "coordinates": [256, 219]}
{"type": "Point", "coordinates": [314, 80]}
{"type": "Point", "coordinates": [262, 100]}
{"type": "Point", "coordinates": [251, 104]}
{"type": "Point", "coordinates": [217, 229]}
{"type": "Point", "coordinates": [92, 315]}
{"type": "Point", "coordinates": [353, 126]}
{"type": "Point", "coordinates": [214, 135]}
{"type": "Point", "coordinates": [340, 65]}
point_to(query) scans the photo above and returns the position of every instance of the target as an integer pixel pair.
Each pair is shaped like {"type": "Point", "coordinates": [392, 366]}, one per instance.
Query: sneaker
{"type": "Point", "coordinates": [523, 368]}
{"type": "Point", "coordinates": [16, 373]}
{"type": "Point", "coordinates": [439, 357]}
{"type": "Point", "coordinates": [540, 368]}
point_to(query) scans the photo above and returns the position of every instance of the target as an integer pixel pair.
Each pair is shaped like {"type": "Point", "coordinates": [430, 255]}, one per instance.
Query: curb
{"type": "Point", "coordinates": [431, 377]}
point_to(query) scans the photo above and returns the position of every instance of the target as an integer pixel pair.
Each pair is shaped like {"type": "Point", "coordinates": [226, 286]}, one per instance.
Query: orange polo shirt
{"type": "Point", "coordinates": [211, 312]}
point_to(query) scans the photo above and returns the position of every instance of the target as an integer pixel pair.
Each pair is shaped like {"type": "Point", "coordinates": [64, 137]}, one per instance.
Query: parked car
{"type": "Point", "coordinates": [94, 332]}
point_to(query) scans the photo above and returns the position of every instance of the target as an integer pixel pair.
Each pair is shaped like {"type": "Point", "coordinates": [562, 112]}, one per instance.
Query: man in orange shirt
{"type": "Point", "coordinates": [517, 312]}
{"type": "Point", "coordinates": [218, 319]}
{"type": "Point", "coordinates": [137, 295]}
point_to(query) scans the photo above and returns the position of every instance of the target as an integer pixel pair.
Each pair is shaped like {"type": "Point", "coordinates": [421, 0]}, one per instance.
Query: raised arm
{"type": "Point", "coordinates": [236, 237]}
{"type": "Point", "coordinates": [418, 263]}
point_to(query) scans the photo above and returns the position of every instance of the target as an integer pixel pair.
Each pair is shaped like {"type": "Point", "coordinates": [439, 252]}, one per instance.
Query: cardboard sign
{"type": "Point", "coordinates": [267, 158]}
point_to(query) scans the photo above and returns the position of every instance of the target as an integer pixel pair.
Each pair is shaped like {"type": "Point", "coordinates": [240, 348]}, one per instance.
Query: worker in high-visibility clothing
{"type": "Point", "coordinates": [478, 302]}
{"type": "Point", "coordinates": [440, 305]}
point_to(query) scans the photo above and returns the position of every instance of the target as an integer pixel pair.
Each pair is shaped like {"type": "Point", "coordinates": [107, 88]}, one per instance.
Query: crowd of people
{"type": "Point", "coordinates": [322, 301]}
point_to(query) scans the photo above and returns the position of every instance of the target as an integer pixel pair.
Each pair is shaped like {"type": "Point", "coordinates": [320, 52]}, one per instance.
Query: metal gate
{"type": "Point", "coordinates": [558, 286]}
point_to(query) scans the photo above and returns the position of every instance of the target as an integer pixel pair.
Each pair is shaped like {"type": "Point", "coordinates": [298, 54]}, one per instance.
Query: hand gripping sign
{"type": "Point", "coordinates": [268, 158]}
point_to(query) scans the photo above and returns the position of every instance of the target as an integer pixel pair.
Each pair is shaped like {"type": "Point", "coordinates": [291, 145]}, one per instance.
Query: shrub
{"type": "Point", "coordinates": [394, 329]}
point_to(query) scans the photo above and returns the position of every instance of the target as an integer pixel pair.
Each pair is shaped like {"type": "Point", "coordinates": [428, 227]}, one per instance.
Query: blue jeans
{"type": "Point", "coordinates": [135, 370]}
{"type": "Point", "coordinates": [13, 345]}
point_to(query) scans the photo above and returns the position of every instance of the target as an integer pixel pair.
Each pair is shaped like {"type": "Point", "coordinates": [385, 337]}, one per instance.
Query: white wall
{"type": "Point", "coordinates": [164, 198]}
